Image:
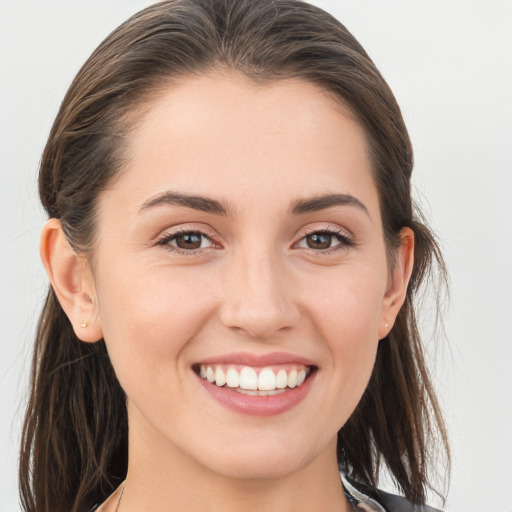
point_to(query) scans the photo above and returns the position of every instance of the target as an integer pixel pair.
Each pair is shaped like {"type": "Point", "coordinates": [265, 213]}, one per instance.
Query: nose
{"type": "Point", "coordinates": [258, 299]}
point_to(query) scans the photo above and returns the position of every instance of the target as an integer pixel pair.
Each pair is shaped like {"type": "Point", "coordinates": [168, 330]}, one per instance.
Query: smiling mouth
{"type": "Point", "coordinates": [248, 380]}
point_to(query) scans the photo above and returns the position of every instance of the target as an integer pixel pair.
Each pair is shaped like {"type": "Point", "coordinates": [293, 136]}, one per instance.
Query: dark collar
{"type": "Point", "coordinates": [357, 492]}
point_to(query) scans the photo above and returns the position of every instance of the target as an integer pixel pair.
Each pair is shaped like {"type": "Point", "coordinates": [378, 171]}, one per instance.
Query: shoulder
{"type": "Point", "coordinates": [380, 501]}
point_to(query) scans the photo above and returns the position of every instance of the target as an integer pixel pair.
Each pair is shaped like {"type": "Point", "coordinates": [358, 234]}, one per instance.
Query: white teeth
{"type": "Point", "coordinates": [248, 378]}
{"type": "Point", "coordinates": [281, 379]}
{"type": "Point", "coordinates": [292, 379]}
{"type": "Point", "coordinates": [266, 380]}
{"type": "Point", "coordinates": [259, 392]}
{"type": "Point", "coordinates": [232, 378]}
{"type": "Point", "coordinates": [220, 377]}
{"type": "Point", "coordinates": [274, 392]}
{"type": "Point", "coordinates": [266, 383]}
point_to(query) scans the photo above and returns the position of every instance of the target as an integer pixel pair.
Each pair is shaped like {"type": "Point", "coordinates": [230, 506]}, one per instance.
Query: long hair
{"type": "Point", "coordinates": [74, 441]}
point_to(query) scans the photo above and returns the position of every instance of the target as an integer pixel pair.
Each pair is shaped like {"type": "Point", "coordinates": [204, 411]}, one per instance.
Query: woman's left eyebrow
{"type": "Point", "coordinates": [322, 202]}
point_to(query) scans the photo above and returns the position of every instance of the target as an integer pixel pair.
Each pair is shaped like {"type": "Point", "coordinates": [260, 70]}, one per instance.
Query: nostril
{"type": "Point", "coordinates": [259, 314]}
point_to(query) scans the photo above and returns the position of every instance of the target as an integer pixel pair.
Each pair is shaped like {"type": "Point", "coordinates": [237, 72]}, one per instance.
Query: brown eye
{"type": "Point", "coordinates": [326, 241]}
{"type": "Point", "coordinates": [186, 242]}
{"type": "Point", "coordinates": [190, 241]}
{"type": "Point", "coordinates": [319, 240]}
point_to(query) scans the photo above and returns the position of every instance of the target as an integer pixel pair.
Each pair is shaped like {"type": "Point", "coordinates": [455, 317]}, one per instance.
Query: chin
{"type": "Point", "coordinates": [257, 469]}
{"type": "Point", "coordinates": [260, 461]}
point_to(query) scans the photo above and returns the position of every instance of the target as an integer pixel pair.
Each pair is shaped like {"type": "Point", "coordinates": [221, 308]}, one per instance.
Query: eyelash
{"type": "Point", "coordinates": [346, 241]}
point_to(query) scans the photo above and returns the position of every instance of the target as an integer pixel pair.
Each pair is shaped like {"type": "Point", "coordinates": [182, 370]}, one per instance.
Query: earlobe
{"type": "Point", "coordinates": [398, 283]}
{"type": "Point", "coordinates": [72, 283]}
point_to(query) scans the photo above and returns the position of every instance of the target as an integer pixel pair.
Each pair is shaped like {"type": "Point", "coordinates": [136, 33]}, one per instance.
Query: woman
{"type": "Point", "coordinates": [233, 258]}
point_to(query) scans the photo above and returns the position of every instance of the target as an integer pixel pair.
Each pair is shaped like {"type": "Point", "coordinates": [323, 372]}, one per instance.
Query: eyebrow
{"type": "Point", "coordinates": [204, 204]}
{"type": "Point", "coordinates": [322, 202]}
{"type": "Point", "coordinates": [209, 205]}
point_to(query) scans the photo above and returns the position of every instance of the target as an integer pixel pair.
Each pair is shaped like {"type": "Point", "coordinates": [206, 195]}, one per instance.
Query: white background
{"type": "Point", "coordinates": [449, 64]}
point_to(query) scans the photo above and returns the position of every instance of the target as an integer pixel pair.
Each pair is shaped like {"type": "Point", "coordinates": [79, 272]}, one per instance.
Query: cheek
{"type": "Point", "coordinates": [149, 319]}
{"type": "Point", "coordinates": [346, 316]}
{"type": "Point", "coordinates": [347, 306]}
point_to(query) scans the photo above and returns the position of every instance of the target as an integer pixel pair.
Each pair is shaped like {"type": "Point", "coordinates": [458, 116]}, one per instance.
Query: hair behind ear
{"type": "Point", "coordinates": [74, 438]}
{"type": "Point", "coordinates": [398, 421]}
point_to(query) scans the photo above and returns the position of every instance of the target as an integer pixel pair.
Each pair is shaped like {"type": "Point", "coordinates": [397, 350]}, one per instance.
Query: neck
{"type": "Point", "coordinates": [161, 476]}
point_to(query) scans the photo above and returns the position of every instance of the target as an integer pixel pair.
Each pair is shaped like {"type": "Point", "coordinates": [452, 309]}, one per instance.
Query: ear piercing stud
{"type": "Point", "coordinates": [387, 325]}
{"type": "Point", "coordinates": [83, 325]}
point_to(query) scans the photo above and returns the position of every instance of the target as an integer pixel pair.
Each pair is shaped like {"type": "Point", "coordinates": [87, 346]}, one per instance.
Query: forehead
{"type": "Point", "coordinates": [223, 135]}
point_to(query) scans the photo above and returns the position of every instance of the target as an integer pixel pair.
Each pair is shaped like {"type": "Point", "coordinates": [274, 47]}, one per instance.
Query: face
{"type": "Point", "coordinates": [242, 242]}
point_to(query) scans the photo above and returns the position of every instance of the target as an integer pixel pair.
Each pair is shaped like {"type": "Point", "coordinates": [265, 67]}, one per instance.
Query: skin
{"type": "Point", "coordinates": [255, 286]}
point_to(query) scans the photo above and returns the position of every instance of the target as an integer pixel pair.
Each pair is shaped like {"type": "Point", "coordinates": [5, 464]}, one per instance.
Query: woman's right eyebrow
{"type": "Point", "coordinates": [204, 204]}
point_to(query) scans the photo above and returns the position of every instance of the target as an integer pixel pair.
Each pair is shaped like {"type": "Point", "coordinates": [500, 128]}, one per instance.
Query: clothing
{"type": "Point", "coordinates": [367, 499]}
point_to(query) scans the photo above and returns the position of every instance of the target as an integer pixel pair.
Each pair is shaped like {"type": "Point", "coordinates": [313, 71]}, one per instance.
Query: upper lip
{"type": "Point", "coordinates": [248, 359]}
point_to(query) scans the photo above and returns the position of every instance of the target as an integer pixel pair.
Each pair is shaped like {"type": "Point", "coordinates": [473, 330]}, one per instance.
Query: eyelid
{"type": "Point", "coordinates": [335, 230]}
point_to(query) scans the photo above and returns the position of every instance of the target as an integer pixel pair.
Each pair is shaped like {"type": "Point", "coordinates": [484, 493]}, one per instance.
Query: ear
{"type": "Point", "coordinates": [72, 282]}
{"type": "Point", "coordinates": [398, 281]}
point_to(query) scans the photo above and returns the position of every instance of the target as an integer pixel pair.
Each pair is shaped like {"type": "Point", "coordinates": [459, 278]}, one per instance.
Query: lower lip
{"type": "Point", "coordinates": [258, 405]}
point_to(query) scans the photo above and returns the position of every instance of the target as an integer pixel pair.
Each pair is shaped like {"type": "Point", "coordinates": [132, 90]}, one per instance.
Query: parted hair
{"type": "Point", "coordinates": [74, 444]}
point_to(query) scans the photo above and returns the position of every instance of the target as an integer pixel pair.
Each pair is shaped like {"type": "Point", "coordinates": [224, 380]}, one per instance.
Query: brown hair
{"type": "Point", "coordinates": [74, 444]}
